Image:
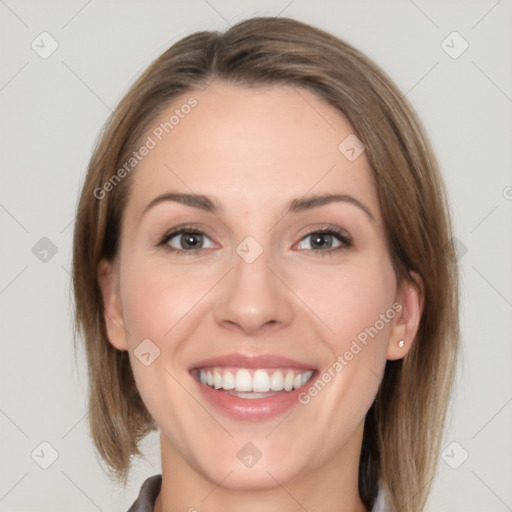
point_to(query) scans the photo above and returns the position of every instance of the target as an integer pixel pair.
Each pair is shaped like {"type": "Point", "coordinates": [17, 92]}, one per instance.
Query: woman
{"type": "Point", "coordinates": [264, 271]}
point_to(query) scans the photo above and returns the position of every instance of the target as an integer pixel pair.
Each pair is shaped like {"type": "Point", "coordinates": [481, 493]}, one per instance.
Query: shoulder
{"type": "Point", "coordinates": [147, 495]}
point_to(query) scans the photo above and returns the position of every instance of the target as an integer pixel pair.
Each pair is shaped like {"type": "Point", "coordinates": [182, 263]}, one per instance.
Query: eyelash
{"type": "Point", "coordinates": [346, 241]}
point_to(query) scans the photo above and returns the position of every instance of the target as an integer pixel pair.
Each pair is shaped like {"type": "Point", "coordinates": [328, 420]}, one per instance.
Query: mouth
{"type": "Point", "coordinates": [252, 383]}
{"type": "Point", "coordinates": [251, 388]}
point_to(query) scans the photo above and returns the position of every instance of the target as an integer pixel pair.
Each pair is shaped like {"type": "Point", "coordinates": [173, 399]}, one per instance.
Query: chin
{"type": "Point", "coordinates": [258, 478]}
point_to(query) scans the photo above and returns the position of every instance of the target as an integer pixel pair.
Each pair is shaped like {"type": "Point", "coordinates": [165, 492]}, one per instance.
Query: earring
{"type": "Point", "coordinates": [401, 343]}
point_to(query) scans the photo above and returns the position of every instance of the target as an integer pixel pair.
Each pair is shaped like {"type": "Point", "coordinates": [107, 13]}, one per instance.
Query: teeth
{"type": "Point", "coordinates": [260, 381]}
{"type": "Point", "coordinates": [251, 395]}
{"type": "Point", "coordinates": [217, 379]}
{"type": "Point", "coordinates": [288, 381]}
{"type": "Point", "coordinates": [228, 381]}
{"type": "Point", "coordinates": [277, 381]}
{"type": "Point", "coordinates": [243, 380]}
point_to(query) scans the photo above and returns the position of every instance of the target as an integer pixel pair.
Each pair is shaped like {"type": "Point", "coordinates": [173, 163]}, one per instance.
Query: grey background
{"type": "Point", "coordinates": [52, 110]}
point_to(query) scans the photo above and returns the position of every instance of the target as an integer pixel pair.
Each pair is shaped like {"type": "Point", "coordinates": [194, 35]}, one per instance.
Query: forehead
{"type": "Point", "coordinates": [251, 147]}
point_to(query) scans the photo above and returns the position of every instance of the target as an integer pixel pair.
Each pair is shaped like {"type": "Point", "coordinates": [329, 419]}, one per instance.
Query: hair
{"type": "Point", "coordinates": [403, 428]}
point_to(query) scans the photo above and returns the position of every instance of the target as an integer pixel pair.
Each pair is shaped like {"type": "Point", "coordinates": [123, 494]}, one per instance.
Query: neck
{"type": "Point", "coordinates": [333, 486]}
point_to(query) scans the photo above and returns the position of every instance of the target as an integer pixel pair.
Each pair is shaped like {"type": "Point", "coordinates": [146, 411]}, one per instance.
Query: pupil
{"type": "Point", "coordinates": [191, 240]}
{"type": "Point", "coordinates": [319, 240]}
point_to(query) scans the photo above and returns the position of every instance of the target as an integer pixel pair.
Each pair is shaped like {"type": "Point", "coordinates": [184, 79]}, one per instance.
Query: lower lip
{"type": "Point", "coordinates": [251, 409]}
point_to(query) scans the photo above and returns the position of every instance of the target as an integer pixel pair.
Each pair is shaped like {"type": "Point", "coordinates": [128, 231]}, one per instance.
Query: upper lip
{"type": "Point", "coordinates": [240, 360]}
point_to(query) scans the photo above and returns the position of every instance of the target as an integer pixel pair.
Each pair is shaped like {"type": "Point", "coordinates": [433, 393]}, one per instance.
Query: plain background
{"type": "Point", "coordinates": [52, 110]}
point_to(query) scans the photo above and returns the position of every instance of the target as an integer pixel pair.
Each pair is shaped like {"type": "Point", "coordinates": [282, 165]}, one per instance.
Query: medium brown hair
{"type": "Point", "coordinates": [403, 428]}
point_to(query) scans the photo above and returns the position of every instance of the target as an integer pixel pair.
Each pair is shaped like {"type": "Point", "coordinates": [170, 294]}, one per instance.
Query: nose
{"type": "Point", "coordinates": [252, 299]}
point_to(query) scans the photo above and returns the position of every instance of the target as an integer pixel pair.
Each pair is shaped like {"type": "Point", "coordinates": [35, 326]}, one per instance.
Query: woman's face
{"type": "Point", "coordinates": [231, 263]}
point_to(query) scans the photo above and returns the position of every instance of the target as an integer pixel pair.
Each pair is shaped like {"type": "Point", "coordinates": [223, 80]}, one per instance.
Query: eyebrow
{"type": "Point", "coordinates": [299, 204]}
{"type": "Point", "coordinates": [314, 201]}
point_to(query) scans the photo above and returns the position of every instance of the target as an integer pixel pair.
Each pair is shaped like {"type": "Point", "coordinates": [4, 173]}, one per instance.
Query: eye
{"type": "Point", "coordinates": [186, 240]}
{"type": "Point", "coordinates": [325, 241]}
{"type": "Point", "coordinates": [322, 241]}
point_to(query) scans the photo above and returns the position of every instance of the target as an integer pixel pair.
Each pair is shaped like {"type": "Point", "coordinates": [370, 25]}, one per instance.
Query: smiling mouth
{"type": "Point", "coordinates": [252, 383]}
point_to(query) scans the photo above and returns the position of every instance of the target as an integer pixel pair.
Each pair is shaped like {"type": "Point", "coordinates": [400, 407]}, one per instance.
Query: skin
{"type": "Point", "coordinates": [254, 150]}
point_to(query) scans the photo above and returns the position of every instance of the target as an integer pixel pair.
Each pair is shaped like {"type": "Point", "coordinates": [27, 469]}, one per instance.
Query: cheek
{"type": "Point", "coordinates": [356, 302]}
{"type": "Point", "coordinates": [157, 297]}
{"type": "Point", "coordinates": [350, 299]}
{"type": "Point", "coordinates": [162, 302]}
{"type": "Point", "coordinates": [346, 301]}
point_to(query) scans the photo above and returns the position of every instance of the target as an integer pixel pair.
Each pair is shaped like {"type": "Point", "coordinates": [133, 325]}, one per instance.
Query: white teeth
{"type": "Point", "coordinates": [258, 383]}
{"type": "Point", "coordinates": [261, 381]}
{"type": "Point", "coordinates": [243, 380]}
{"type": "Point", "coordinates": [277, 381]}
{"type": "Point", "coordinates": [228, 381]}
{"type": "Point", "coordinates": [305, 377]}
{"type": "Point", "coordinates": [251, 395]}
{"type": "Point", "coordinates": [288, 381]}
{"type": "Point", "coordinates": [217, 379]}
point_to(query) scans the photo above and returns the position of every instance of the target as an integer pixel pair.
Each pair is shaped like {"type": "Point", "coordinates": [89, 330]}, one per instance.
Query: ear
{"type": "Point", "coordinates": [108, 281]}
{"type": "Point", "coordinates": [409, 306]}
